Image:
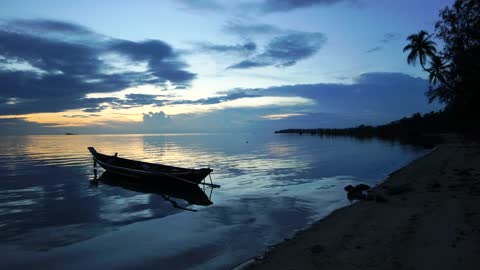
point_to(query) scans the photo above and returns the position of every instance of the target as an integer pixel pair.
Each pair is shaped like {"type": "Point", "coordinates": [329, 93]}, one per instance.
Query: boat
{"type": "Point", "coordinates": [192, 194]}
{"type": "Point", "coordinates": [149, 171]}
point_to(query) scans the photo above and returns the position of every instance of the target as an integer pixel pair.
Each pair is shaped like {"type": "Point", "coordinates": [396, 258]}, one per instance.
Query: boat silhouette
{"type": "Point", "coordinates": [150, 172]}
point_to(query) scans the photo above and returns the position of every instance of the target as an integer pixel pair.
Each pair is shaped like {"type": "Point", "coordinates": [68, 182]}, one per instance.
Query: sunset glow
{"type": "Point", "coordinates": [236, 62]}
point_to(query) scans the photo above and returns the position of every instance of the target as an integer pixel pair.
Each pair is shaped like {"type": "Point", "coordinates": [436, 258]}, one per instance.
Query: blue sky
{"type": "Point", "coordinates": [196, 66]}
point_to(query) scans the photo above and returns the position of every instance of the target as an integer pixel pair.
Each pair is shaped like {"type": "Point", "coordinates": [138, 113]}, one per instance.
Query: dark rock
{"type": "Point", "coordinates": [362, 187]}
{"type": "Point", "coordinates": [357, 188]}
{"type": "Point", "coordinates": [348, 188]}
{"type": "Point", "coordinates": [357, 192]}
{"type": "Point", "coordinates": [355, 195]}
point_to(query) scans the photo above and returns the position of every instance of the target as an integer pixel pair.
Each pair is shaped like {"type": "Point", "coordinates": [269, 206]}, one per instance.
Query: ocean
{"type": "Point", "coordinates": [53, 216]}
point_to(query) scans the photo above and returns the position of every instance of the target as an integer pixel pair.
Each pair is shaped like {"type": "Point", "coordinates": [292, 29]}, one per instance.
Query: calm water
{"type": "Point", "coordinates": [52, 217]}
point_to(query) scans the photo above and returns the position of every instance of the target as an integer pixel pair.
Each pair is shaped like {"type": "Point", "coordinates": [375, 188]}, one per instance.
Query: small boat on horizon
{"type": "Point", "coordinates": [149, 171]}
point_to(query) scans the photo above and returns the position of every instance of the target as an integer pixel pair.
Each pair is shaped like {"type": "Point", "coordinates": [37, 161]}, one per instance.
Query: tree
{"type": "Point", "coordinates": [437, 72]}
{"type": "Point", "coordinates": [459, 28]}
{"type": "Point", "coordinates": [421, 47]}
{"type": "Point", "coordinates": [454, 72]}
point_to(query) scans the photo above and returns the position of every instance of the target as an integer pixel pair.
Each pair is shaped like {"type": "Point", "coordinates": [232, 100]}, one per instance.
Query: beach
{"type": "Point", "coordinates": [428, 218]}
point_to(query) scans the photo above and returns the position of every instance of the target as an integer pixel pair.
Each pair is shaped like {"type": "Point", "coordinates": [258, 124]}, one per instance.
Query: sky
{"type": "Point", "coordinates": [149, 66]}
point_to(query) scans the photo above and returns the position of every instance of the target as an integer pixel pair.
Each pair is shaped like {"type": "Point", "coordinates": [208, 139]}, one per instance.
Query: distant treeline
{"type": "Point", "coordinates": [415, 129]}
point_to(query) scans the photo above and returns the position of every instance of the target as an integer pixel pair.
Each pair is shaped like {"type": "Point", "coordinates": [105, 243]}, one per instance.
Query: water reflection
{"type": "Point", "coordinates": [171, 192]}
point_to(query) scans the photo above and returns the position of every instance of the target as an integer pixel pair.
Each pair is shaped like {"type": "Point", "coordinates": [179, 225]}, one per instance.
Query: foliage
{"type": "Point", "coordinates": [421, 47]}
{"type": "Point", "coordinates": [407, 129]}
{"type": "Point", "coordinates": [454, 71]}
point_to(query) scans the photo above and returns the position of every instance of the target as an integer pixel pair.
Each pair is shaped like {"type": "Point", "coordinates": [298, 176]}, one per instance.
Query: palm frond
{"type": "Point", "coordinates": [412, 57]}
{"type": "Point", "coordinates": [408, 47]}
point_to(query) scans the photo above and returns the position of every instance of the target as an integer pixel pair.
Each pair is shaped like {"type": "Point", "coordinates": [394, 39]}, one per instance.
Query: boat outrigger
{"type": "Point", "coordinates": [150, 171]}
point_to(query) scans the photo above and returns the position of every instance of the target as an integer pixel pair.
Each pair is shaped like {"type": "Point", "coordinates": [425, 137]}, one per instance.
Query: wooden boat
{"type": "Point", "coordinates": [148, 171]}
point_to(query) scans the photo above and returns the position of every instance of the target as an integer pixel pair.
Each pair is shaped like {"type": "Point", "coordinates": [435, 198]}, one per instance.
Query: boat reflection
{"type": "Point", "coordinates": [192, 194]}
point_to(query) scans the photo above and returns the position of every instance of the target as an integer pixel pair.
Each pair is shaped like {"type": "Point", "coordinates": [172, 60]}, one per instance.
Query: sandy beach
{"type": "Point", "coordinates": [430, 220]}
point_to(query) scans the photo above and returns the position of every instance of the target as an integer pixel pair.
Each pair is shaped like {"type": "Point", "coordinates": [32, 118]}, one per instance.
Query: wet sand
{"type": "Point", "coordinates": [431, 220]}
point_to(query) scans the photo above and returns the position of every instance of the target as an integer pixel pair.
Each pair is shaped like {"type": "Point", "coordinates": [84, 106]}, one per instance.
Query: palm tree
{"type": "Point", "coordinates": [420, 47]}
{"type": "Point", "coordinates": [437, 71]}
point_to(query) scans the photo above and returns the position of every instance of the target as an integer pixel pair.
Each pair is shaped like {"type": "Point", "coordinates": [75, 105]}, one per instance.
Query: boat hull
{"type": "Point", "coordinates": [148, 171]}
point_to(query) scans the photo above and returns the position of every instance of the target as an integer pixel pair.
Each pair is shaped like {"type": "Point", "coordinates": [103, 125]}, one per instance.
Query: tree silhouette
{"type": "Point", "coordinates": [437, 71]}
{"type": "Point", "coordinates": [454, 71]}
{"type": "Point", "coordinates": [421, 47]}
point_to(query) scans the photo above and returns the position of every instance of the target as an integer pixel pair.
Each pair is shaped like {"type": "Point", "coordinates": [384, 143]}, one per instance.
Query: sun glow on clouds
{"type": "Point", "coordinates": [281, 116]}
{"type": "Point", "coordinates": [271, 101]}
{"type": "Point", "coordinates": [78, 118]}
{"type": "Point", "coordinates": [248, 102]}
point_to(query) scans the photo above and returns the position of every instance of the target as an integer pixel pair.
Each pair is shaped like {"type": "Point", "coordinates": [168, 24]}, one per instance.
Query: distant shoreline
{"type": "Point", "coordinates": [417, 129]}
{"type": "Point", "coordinates": [430, 221]}
{"type": "Point", "coordinates": [426, 140]}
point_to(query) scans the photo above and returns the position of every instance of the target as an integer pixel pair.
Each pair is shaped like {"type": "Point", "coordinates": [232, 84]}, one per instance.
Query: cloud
{"type": "Point", "coordinates": [284, 47]}
{"type": "Point", "coordinates": [279, 116]}
{"type": "Point", "coordinates": [155, 119]}
{"type": "Point", "coordinates": [390, 37]}
{"type": "Point", "coordinates": [264, 6]}
{"type": "Point", "coordinates": [142, 99]}
{"type": "Point", "coordinates": [95, 109]}
{"type": "Point", "coordinates": [81, 115]}
{"type": "Point", "coordinates": [208, 5]}
{"type": "Point", "coordinates": [249, 29]}
{"type": "Point", "coordinates": [18, 126]}
{"type": "Point", "coordinates": [216, 99]}
{"type": "Point", "coordinates": [285, 50]}
{"type": "Point", "coordinates": [387, 38]}
{"type": "Point", "coordinates": [130, 101]}
{"type": "Point", "coordinates": [227, 120]}
{"type": "Point", "coordinates": [48, 73]}
{"type": "Point", "coordinates": [374, 49]}
{"type": "Point", "coordinates": [373, 98]}
{"type": "Point", "coordinates": [250, 64]}
{"type": "Point", "coordinates": [243, 49]}
{"type": "Point", "coordinates": [94, 104]}
{"type": "Point", "coordinates": [138, 100]}
{"type": "Point", "coordinates": [269, 6]}
{"type": "Point", "coordinates": [50, 26]}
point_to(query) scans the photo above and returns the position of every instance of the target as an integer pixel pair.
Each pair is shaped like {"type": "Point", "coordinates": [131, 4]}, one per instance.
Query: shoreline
{"type": "Point", "coordinates": [431, 219]}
